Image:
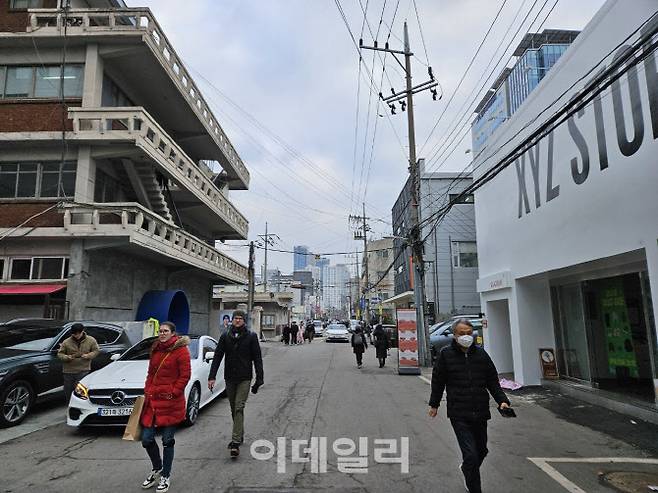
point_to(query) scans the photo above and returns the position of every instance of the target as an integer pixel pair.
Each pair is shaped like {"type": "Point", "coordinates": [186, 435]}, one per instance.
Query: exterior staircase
{"type": "Point", "coordinates": [154, 194]}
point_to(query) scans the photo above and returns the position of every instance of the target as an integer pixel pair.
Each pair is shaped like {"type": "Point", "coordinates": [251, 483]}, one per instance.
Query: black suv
{"type": "Point", "coordinates": [29, 366]}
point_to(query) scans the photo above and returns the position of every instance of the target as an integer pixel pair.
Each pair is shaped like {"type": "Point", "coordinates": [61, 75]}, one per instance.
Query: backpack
{"type": "Point", "coordinates": [358, 340]}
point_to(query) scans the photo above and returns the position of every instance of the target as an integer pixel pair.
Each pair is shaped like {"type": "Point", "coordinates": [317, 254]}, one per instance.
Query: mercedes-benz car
{"type": "Point", "coordinates": [337, 333]}
{"type": "Point", "coordinates": [107, 397]}
{"type": "Point", "coordinates": [29, 367]}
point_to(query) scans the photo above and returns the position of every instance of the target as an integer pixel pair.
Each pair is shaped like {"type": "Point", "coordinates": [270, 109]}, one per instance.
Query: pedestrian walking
{"type": "Point", "coordinates": [164, 404]}
{"type": "Point", "coordinates": [76, 353]}
{"type": "Point", "coordinates": [468, 374]}
{"type": "Point", "coordinates": [359, 345]}
{"type": "Point", "coordinates": [293, 333]}
{"type": "Point", "coordinates": [368, 332]}
{"type": "Point", "coordinates": [382, 343]}
{"type": "Point", "coordinates": [286, 334]}
{"type": "Point", "coordinates": [300, 333]}
{"type": "Point", "coordinates": [310, 331]}
{"type": "Point", "coordinates": [242, 351]}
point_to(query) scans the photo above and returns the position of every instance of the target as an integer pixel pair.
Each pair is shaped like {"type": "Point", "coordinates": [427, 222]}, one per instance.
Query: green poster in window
{"type": "Point", "coordinates": [619, 339]}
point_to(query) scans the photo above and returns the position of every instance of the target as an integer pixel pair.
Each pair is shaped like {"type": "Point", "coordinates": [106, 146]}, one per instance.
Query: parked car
{"type": "Point", "coordinates": [319, 328]}
{"type": "Point", "coordinates": [107, 397]}
{"type": "Point", "coordinates": [29, 366]}
{"type": "Point", "coordinates": [337, 333]}
{"type": "Point", "coordinates": [441, 333]}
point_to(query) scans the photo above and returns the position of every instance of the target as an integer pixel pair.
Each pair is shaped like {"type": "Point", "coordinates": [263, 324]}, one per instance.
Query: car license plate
{"type": "Point", "coordinates": [115, 411]}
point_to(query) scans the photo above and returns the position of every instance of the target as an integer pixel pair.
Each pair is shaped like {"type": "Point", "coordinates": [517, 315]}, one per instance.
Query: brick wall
{"type": "Point", "coordinates": [14, 213]}
{"type": "Point", "coordinates": [14, 21]}
{"type": "Point", "coordinates": [32, 116]}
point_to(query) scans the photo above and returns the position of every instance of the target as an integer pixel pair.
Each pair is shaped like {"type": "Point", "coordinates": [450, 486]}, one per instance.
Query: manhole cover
{"type": "Point", "coordinates": [629, 482]}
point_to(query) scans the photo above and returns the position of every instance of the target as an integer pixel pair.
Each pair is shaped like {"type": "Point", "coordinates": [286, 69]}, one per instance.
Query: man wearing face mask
{"type": "Point", "coordinates": [468, 374]}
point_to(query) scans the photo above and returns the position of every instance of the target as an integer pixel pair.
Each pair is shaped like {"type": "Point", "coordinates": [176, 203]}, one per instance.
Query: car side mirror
{"type": "Point", "coordinates": [209, 356]}
{"type": "Point", "coordinates": [447, 332]}
{"type": "Point", "coordinates": [115, 357]}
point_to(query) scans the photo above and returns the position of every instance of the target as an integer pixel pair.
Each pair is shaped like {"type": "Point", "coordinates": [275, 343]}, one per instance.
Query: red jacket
{"type": "Point", "coordinates": [165, 391]}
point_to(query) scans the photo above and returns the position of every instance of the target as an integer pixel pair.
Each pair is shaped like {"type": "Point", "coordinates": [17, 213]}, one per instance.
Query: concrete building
{"type": "Point", "coordinates": [380, 257]}
{"type": "Point", "coordinates": [109, 205]}
{"type": "Point", "coordinates": [451, 263]}
{"type": "Point", "coordinates": [273, 309]}
{"type": "Point", "coordinates": [568, 231]}
{"type": "Point", "coordinates": [536, 54]}
{"type": "Point", "coordinates": [301, 257]}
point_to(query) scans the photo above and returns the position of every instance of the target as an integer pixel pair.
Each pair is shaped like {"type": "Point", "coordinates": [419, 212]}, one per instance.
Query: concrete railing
{"type": "Point", "coordinates": [104, 21]}
{"type": "Point", "coordinates": [150, 230]}
{"type": "Point", "coordinates": [136, 124]}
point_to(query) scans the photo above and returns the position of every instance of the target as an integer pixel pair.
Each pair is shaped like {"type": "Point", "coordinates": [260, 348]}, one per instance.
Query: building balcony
{"type": "Point", "coordinates": [136, 51]}
{"type": "Point", "coordinates": [195, 193]}
{"type": "Point", "coordinates": [134, 229]}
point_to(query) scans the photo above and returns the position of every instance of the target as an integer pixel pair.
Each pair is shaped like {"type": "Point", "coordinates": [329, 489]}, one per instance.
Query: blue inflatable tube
{"type": "Point", "coordinates": [166, 305]}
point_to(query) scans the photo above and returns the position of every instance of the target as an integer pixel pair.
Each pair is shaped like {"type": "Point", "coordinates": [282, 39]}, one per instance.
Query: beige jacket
{"type": "Point", "coordinates": [77, 355]}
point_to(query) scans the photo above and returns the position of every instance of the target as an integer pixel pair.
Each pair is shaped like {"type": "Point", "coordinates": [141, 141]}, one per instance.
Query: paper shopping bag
{"type": "Point", "coordinates": [133, 431]}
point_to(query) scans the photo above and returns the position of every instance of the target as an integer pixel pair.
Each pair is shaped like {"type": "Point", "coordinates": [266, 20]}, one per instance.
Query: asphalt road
{"type": "Point", "coordinates": [317, 391]}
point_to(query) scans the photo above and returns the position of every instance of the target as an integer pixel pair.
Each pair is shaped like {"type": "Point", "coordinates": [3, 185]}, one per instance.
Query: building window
{"type": "Point", "coordinates": [41, 81]}
{"type": "Point", "coordinates": [106, 188]}
{"type": "Point", "coordinates": [25, 4]}
{"type": "Point", "coordinates": [37, 180]}
{"type": "Point", "coordinates": [39, 268]}
{"type": "Point", "coordinates": [464, 254]}
{"type": "Point", "coordinates": [268, 320]}
{"type": "Point", "coordinates": [464, 199]}
{"type": "Point", "coordinates": [113, 96]}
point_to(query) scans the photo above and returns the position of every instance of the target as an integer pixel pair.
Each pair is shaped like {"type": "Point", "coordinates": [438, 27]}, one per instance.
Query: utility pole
{"type": "Point", "coordinates": [252, 288]}
{"type": "Point", "coordinates": [405, 99]}
{"type": "Point", "coordinates": [361, 223]}
{"type": "Point", "coordinates": [269, 240]}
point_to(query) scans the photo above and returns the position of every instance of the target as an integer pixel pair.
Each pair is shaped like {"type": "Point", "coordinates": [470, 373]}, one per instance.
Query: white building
{"type": "Point", "coordinates": [567, 233]}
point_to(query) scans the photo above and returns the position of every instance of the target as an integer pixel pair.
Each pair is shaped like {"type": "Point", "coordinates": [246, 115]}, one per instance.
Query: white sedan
{"type": "Point", "coordinates": [337, 333]}
{"type": "Point", "coordinates": [106, 397]}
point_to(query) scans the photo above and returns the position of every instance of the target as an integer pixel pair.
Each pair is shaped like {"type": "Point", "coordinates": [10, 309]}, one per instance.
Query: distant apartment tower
{"type": "Point", "coordinates": [109, 209]}
{"type": "Point", "coordinates": [300, 257]}
{"type": "Point", "coordinates": [537, 53]}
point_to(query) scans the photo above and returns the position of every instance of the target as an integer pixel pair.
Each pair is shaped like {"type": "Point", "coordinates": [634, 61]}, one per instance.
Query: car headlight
{"type": "Point", "coordinates": [81, 391]}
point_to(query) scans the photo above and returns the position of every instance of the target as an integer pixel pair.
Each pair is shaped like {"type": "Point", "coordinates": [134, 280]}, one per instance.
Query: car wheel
{"type": "Point", "coordinates": [16, 401]}
{"type": "Point", "coordinates": [193, 404]}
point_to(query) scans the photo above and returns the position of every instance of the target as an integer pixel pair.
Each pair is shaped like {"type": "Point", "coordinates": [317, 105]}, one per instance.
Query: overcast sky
{"type": "Point", "coordinates": [287, 70]}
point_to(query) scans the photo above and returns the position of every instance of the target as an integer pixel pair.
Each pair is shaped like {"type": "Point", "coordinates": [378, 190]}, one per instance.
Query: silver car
{"type": "Point", "coordinates": [337, 333]}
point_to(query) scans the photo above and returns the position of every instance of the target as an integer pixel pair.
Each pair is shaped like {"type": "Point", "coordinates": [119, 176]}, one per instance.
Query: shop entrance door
{"type": "Point", "coordinates": [618, 334]}
{"type": "Point", "coordinates": [571, 334]}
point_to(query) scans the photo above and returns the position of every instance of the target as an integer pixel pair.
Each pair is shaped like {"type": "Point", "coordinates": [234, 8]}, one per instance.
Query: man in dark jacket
{"type": "Point", "coordinates": [242, 350]}
{"type": "Point", "coordinates": [468, 374]}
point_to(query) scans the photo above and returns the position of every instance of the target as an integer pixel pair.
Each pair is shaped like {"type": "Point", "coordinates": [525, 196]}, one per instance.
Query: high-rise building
{"type": "Point", "coordinates": [300, 257]}
{"type": "Point", "coordinates": [112, 194]}
{"type": "Point", "coordinates": [537, 53]}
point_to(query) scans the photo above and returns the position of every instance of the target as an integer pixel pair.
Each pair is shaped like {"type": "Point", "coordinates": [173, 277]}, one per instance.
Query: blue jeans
{"type": "Point", "coordinates": [148, 442]}
{"type": "Point", "coordinates": [472, 438]}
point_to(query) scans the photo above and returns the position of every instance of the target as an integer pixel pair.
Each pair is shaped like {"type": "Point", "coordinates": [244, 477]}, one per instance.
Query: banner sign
{"type": "Point", "coordinates": [407, 342]}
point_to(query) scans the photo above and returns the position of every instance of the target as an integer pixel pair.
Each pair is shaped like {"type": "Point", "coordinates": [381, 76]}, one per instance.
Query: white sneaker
{"type": "Point", "coordinates": [152, 478]}
{"type": "Point", "coordinates": [163, 485]}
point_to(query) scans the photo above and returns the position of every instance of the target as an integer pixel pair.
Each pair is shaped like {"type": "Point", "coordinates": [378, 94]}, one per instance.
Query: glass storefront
{"type": "Point", "coordinates": [605, 333]}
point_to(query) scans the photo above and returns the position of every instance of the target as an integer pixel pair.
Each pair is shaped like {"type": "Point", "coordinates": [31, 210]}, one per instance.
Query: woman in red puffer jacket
{"type": "Point", "coordinates": [164, 405]}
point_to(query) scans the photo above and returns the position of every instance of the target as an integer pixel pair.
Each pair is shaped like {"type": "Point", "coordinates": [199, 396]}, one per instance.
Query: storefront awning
{"type": "Point", "coordinates": [34, 289]}
{"type": "Point", "coordinates": [400, 299]}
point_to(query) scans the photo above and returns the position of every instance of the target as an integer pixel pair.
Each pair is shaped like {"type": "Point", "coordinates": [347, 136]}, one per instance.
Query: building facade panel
{"type": "Point", "coordinates": [562, 264]}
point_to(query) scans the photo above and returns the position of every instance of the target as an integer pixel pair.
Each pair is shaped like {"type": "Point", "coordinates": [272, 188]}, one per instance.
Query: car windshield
{"type": "Point", "coordinates": [142, 350]}
{"type": "Point", "coordinates": [317, 324]}
{"type": "Point", "coordinates": [28, 338]}
{"type": "Point", "coordinates": [337, 327]}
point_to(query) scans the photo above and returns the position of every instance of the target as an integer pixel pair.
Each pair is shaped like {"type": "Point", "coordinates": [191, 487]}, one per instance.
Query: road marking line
{"type": "Point", "coordinates": [425, 379]}
{"type": "Point", "coordinates": [543, 464]}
